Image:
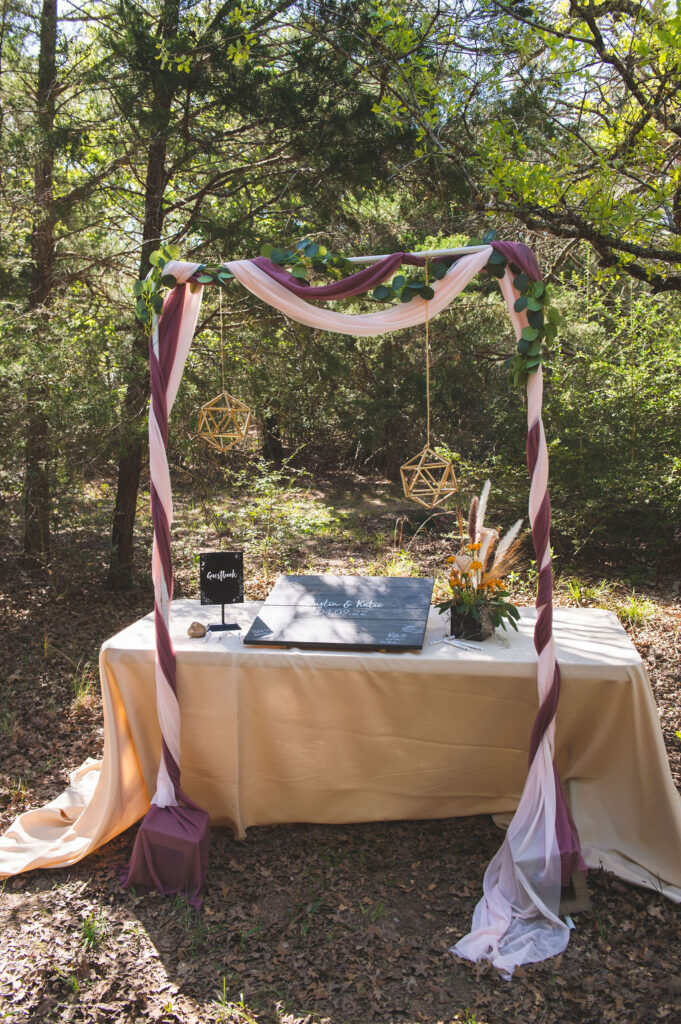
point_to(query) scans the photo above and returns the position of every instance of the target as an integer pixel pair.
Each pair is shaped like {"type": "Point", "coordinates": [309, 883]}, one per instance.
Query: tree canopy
{"type": "Point", "coordinates": [358, 125]}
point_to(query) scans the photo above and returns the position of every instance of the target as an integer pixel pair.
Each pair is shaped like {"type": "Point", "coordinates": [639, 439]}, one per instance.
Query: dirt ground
{"type": "Point", "coordinates": [304, 923]}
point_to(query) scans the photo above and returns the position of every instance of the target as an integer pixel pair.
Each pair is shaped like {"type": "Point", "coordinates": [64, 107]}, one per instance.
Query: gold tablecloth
{"type": "Point", "coordinates": [275, 736]}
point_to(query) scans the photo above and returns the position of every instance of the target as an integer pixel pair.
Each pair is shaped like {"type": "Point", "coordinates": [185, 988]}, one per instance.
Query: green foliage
{"type": "Point", "coordinates": [307, 257]}
{"type": "Point", "coordinates": [94, 929]}
{"type": "Point", "coordinates": [543, 320]}
{"type": "Point", "coordinates": [635, 611]}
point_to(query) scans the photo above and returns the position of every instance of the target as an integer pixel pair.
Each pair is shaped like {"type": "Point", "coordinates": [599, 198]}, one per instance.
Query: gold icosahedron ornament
{"type": "Point", "coordinates": [224, 421]}
{"type": "Point", "coordinates": [428, 478]}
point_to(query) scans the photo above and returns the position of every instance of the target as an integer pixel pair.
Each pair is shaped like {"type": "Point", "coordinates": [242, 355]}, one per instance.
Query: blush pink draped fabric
{"type": "Point", "coordinates": [517, 919]}
{"type": "Point", "coordinates": [171, 847]}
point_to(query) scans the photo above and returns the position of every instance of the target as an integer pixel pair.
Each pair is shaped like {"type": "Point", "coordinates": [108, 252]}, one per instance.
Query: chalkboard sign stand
{"type": "Point", "coordinates": [218, 627]}
{"type": "Point", "coordinates": [222, 582]}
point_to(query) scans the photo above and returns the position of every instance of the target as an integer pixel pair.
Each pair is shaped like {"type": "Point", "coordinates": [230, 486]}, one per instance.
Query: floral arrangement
{"type": "Point", "coordinates": [477, 572]}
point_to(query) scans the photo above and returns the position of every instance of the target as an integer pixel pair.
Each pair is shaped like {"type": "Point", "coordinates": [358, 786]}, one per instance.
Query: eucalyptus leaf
{"type": "Point", "coordinates": [530, 333]}
{"type": "Point", "coordinates": [489, 236]}
{"type": "Point", "coordinates": [438, 270]}
{"type": "Point", "coordinates": [381, 292]}
{"type": "Point", "coordinates": [205, 279]}
{"type": "Point", "coordinates": [536, 319]}
{"type": "Point", "coordinates": [520, 304]}
{"type": "Point", "coordinates": [521, 282]}
{"type": "Point", "coordinates": [497, 258]}
{"type": "Point", "coordinates": [266, 250]}
{"type": "Point", "coordinates": [427, 292]}
{"type": "Point", "coordinates": [523, 345]}
{"type": "Point", "coordinates": [278, 255]}
{"type": "Point", "coordinates": [514, 268]}
{"type": "Point", "coordinates": [399, 283]}
{"type": "Point", "coordinates": [475, 241]}
{"type": "Point", "coordinates": [534, 305]}
{"type": "Point", "coordinates": [311, 250]}
{"type": "Point", "coordinates": [406, 295]}
{"type": "Point", "coordinates": [168, 281]}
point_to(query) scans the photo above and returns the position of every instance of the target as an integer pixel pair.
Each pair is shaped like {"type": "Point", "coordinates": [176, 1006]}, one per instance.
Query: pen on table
{"type": "Point", "coordinates": [455, 642]}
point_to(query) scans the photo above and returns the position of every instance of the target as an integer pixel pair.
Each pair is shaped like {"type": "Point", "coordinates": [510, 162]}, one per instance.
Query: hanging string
{"type": "Point", "coordinates": [222, 343]}
{"type": "Point", "coordinates": [427, 368]}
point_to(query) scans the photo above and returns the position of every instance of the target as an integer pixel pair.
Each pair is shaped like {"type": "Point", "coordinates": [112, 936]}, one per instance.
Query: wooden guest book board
{"type": "Point", "coordinates": [346, 613]}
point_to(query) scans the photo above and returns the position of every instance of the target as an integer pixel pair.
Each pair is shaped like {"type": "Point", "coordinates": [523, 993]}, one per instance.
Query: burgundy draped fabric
{"type": "Point", "coordinates": [364, 280]}
{"type": "Point", "coordinates": [571, 858]}
{"type": "Point", "coordinates": [355, 284]}
{"type": "Point", "coordinates": [521, 255]}
{"type": "Point", "coordinates": [171, 847]}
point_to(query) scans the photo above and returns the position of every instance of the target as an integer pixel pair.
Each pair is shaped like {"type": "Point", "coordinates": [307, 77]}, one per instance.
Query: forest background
{"type": "Point", "coordinates": [367, 126]}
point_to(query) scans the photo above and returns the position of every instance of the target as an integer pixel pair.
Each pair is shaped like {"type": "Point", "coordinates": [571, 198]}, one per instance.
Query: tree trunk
{"type": "Point", "coordinates": [37, 444]}
{"type": "Point", "coordinates": [272, 448]}
{"type": "Point", "coordinates": [137, 394]}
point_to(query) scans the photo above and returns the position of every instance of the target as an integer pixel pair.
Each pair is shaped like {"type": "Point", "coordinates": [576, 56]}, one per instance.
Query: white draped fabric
{"type": "Point", "coordinates": [166, 701]}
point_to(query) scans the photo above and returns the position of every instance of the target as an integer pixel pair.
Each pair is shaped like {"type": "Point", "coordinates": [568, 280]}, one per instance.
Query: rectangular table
{"type": "Point", "coordinates": [274, 736]}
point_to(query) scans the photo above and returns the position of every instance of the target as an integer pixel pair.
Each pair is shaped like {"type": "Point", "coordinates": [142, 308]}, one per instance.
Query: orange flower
{"type": "Point", "coordinates": [476, 546]}
{"type": "Point", "coordinates": [452, 558]}
{"type": "Point", "coordinates": [476, 565]}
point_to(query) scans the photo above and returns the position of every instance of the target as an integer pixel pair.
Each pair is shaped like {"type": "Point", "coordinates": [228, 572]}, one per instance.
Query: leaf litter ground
{"type": "Point", "coordinates": [301, 924]}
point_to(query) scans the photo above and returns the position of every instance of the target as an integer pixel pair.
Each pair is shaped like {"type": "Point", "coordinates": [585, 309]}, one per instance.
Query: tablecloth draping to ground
{"type": "Point", "coordinates": [276, 736]}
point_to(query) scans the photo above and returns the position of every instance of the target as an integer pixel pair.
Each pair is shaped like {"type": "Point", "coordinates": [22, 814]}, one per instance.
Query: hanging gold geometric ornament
{"type": "Point", "coordinates": [428, 478]}
{"type": "Point", "coordinates": [224, 421]}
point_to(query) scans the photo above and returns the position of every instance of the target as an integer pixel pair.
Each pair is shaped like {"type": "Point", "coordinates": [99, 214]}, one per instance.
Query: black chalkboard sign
{"type": "Point", "coordinates": [344, 613]}
{"type": "Point", "coordinates": [222, 577]}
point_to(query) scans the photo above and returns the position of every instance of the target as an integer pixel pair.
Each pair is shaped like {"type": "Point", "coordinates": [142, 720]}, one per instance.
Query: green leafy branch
{"type": "Point", "coordinates": [308, 256]}
{"type": "Point", "coordinates": [149, 291]}
{"type": "Point", "coordinates": [543, 320]}
{"type": "Point", "coordinates": [405, 289]}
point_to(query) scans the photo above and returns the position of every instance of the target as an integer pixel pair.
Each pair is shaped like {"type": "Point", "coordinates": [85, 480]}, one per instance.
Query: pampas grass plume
{"type": "Point", "coordinates": [505, 545]}
{"type": "Point", "coordinates": [473, 522]}
{"type": "Point", "coordinates": [482, 507]}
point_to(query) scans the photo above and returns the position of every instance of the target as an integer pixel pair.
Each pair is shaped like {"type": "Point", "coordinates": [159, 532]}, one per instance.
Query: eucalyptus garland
{"type": "Point", "coordinates": [307, 256]}
{"type": "Point", "coordinates": [149, 291]}
{"type": "Point", "coordinates": [543, 319]}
